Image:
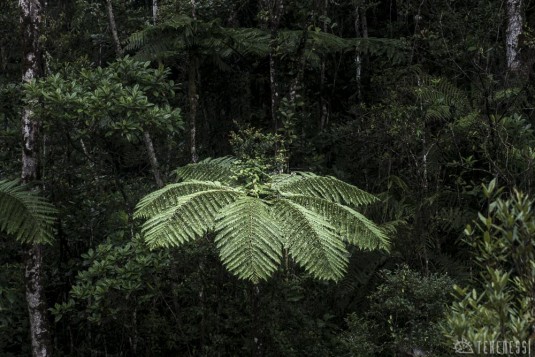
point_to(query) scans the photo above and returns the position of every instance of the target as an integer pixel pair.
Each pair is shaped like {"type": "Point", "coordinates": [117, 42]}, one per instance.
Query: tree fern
{"type": "Point", "coordinates": [24, 214]}
{"type": "Point", "coordinates": [309, 216]}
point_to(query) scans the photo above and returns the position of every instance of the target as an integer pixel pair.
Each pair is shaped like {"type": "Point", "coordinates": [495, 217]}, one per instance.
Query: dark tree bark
{"type": "Point", "coordinates": [275, 9]}
{"type": "Point", "coordinates": [32, 68]}
{"type": "Point", "coordinates": [193, 99]}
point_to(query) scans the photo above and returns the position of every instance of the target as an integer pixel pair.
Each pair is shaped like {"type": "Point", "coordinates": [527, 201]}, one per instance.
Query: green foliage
{"type": "Point", "coordinates": [498, 305]}
{"type": "Point", "coordinates": [404, 316]}
{"type": "Point", "coordinates": [121, 100]}
{"type": "Point", "coordinates": [119, 282]}
{"type": "Point", "coordinates": [25, 215]}
{"type": "Point", "coordinates": [298, 213]}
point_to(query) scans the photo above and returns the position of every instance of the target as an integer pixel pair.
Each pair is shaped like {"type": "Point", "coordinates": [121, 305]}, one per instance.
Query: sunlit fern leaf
{"type": "Point", "coordinates": [164, 198]}
{"type": "Point", "coordinates": [325, 187]}
{"type": "Point", "coordinates": [351, 225]}
{"type": "Point", "coordinates": [24, 214]}
{"type": "Point", "coordinates": [248, 239]}
{"type": "Point", "coordinates": [311, 240]}
{"type": "Point", "coordinates": [219, 169]}
{"type": "Point", "coordinates": [191, 217]}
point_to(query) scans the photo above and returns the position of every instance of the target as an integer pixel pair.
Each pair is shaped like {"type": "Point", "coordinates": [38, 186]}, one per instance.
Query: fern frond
{"type": "Point", "coordinates": [351, 225]}
{"type": "Point", "coordinates": [192, 216]}
{"type": "Point", "coordinates": [248, 239]}
{"type": "Point", "coordinates": [218, 169]}
{"type": "Point", "coordinates": [164, 198]}
{"type": "Point", "coordinates": [311, 240]}
{"type": "Point", "coordinates": [325, 187]}
{"type": "Point", "coordinates": [247, 41]}
{"type": "Point", "coordinates": [441, 99]}
{"type": "Point", "coordinates": [24, 214]}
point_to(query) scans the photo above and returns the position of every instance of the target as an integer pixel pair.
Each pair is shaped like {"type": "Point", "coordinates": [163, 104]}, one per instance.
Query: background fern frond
{"type": "Point", "coordinates": [24, 214]}
{"type": "Point", "coordinates": [311, 240]}
{"type": "Point", "coordinates": [191, 217]}
{"type": "Point", "coordinates": [248, 239]}
{"type": "Point", "coordinates": [218, 169]}
{"type": "Point", "coordinates": [325, 187]}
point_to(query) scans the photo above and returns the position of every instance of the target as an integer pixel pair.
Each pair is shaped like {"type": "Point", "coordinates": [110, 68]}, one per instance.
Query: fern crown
{"type": "Point", "coordinates": [256, 219]}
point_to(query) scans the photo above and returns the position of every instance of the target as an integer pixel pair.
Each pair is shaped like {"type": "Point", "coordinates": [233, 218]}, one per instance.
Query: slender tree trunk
{"type": "Point", "coordinates": [32, 67]}
{"type": "Point", "coordinates": [193, 9]}
{"type": "Point", "coordinates": [152, 159]}
{"type": "Point", "coordinates": [149, 146]}
{"type": "Point", "coordinates": [193, 101]}
{"type": "Point", "coordinates": [113, 29]}
{"type": "Point", "coordinates": [37, 306]}
{"type": "Point", "coordinates": [323, 101]}
{"type": "Point", "coordinates": [515, 24]}
{"type": "Point", "coordinates": [361, 31]}
{"type": "Point", "coordinates": [155, 11]}
{"type": "Point", "coordinates": [275, 8]}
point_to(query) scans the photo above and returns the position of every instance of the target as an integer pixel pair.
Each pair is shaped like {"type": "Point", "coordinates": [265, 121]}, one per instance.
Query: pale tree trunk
{"type": "Point", "coordinates": [155, 11]}
{"type": "Point", "coordinates": [113, 29]}
{"type": "Point", "coordinates": [152, 159]}
{"type": "Point", "coordinates": [37, 306]}
{"type": "Point", "coordinates": [149, 146]}
{"type": "Point", "coordinates": [32, 67]}
{"type": "Point", "coordinates": [515, 24]}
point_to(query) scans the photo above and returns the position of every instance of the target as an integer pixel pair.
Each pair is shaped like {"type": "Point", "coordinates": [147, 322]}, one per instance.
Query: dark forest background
{"type": "Point", "coordinates": [429, 105]}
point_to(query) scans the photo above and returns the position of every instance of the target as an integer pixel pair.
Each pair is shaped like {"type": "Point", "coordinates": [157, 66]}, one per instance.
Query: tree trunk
{"type": "Point", "coordinates": [37, 306]}
{"type": "Point", "coordinates": [193, 101]}
{"type": "Point", "coordinates": [152, 159]}
{"type": "Point", "coordinates": [515, 23]}
{"type": "Point", "coordinates": [275, 8]}
{"type": "Point", "coordinates": [361, 31]}
{"type": "Point", "coordinates": [32, 67]}
{"type": "Point", "coordinates": [154, 11]}
{"type": "Point", "coordinates": [324, 118]}
{"type": "Point", "coordinates": [113, 29]}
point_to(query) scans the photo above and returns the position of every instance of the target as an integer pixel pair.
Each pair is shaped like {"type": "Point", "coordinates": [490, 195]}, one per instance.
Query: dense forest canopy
{"type": "Point", "coordinates": [267, 177]}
